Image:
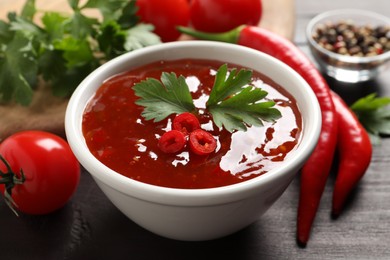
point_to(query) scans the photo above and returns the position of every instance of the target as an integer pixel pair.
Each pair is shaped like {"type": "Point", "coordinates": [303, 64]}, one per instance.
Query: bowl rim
{"type": "Point", "coordinates": [345, 12]}
{"type": "Point", "coordinates": [175, 196]}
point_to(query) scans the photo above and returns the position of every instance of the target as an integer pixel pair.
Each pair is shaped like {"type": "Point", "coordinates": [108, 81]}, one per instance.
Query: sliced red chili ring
{"type": "Point", "coordinates": [202, 142]}
{"type": "Point", "coordinates": [172, 141]}
{"type": "Point", "coordinates": [186, 122]}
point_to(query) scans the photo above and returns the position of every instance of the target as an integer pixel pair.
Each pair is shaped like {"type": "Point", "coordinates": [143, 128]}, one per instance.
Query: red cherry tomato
{"type": "Point", "coordinates": [165, 15]}
{"type": "Point", "coordinates": [202, 142]}
{"type": "Point", "coordinates": [172, 141]}
{"type": "Point", "coordinates": [224, 15]}
{"type": "Point", "coordinates": [186, 123]}
{"type": "Point", "coordinates": [51, 171]}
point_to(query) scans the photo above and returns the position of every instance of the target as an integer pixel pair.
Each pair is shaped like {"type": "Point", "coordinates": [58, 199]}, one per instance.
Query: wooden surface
{"type": "Point", "coordinates": [90, 227]}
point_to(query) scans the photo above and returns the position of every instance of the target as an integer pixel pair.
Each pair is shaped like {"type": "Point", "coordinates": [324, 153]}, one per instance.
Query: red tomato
{"type": "Point", "coordinates": [51, 171]}
{"type": "Point", "coordinates": [224, 15]}
{"type": "Point", "coordinates": [165, 15]}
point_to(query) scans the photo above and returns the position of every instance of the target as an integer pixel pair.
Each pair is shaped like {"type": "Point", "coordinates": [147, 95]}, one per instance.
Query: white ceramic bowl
{"type": "Point", "coordinates": [199, 214]}
{"type": "Point", "coordinates": [345, 68]}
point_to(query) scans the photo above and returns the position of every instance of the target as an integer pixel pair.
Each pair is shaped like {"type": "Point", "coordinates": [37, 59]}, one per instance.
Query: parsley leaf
{"type": "Point", "coordinates": [74, 4]}
{"type": "Point", "coordinates": [162, 98]}
{"type": "Point", "coordinates": [233, 103]}
{"type": "Point", "coordinates": [54, 25]}
{"type": "Point", "coordinates": [140, 36]}
{"type": "Point", "coordinates": [111, 10]}
{"type": "Point", "coordinates": [5, 34]}
{"type": "Point", "coordinates": [373, 115]}
{"type": "Point", "coordinates": [81, 26]}
{"type": "Point", "coordinates": [18, 68]}
{"type": "Point", "coordinates": [111, 39]}
{"type": "Point", "coordinates": [26, 27]}
{"type": "Point", "coordinates": [226, 85]}
{"type": "Point", "coordinates": [76, 52]}
{"type": "Point", "coordinates": [29, 10]}
{"type": "Point", "coordinates": [129, 16]}
{"type": "Point", "coordinates": [236, 105]}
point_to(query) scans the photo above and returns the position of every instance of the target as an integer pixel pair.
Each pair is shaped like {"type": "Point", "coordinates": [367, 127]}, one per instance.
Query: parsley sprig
{"type": "Point", "coordinates": [233, 103]}
{"type": "Point", "coordinates": [64, 48]}
{"type": "Point", "coordinates": [162, 98]}
{"type": "Point", "coordinates": [373, 114]}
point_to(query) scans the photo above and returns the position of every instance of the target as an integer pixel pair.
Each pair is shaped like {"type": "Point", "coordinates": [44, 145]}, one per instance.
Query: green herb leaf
{"type": "Point", "coordinates": [81, 26]}
{"type": "Point", "coordinates": [54, 24]}
{"type": "Point", "coordinates": [238, 112]}
{"type": "Point", "coordinates": [29, 10]}
{"type": "Point", "coordinates": [373, 115]}
{"type": "Point", "coordinates": [111, 10]}
{"type": "Point", "coordinates": [74, 4]}
{"type": "Point", "coordinates": [129, 16]}
{"type": "Point", "coordinates": [140, 36]}
{"type": "Point", "coordinates": [236, 105]}
{"type": "Point", "coordinates": [162, 98]}
{"type": "Point", "coordinates": [111, 39]}
{"type": "Point", "coordinates": [76, 52]}
{"type": "Point", "coordinates": [26, 27]}
{"type": "Point", "coordinates": [18, 69]}
{"type": "Point", "coordinates": [52, 65]}
{"type": "Point", "coordinates": [66, 82]}
{"type": "Point", "coordinates": [370, 103]}
{"type": "Point", "coordinates": [5, 35]}
{"type": "Point", "coordinates": [226, 84]}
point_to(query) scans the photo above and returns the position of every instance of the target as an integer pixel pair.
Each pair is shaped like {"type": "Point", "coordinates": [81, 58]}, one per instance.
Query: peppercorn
{"type": "Point", "coordinates": [344, 37]}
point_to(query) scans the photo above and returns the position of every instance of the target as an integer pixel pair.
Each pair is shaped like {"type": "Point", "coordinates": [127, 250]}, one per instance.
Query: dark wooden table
{"type": "Point", "coordinates": [90, 227]}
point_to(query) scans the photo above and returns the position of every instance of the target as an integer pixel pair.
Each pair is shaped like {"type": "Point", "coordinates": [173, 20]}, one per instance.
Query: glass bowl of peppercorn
{"type": "Point", "coordinates": [350, 45]}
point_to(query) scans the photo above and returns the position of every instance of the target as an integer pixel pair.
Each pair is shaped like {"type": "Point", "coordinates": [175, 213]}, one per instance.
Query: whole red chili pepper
{"type": "Point", "coordinates": [315, 172]}
{"type": "Point", "coordinates": [354, 151]}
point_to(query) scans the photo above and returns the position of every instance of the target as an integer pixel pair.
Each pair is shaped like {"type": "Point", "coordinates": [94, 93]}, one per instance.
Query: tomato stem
{"type": "Point", "coordinates": [10, 179]}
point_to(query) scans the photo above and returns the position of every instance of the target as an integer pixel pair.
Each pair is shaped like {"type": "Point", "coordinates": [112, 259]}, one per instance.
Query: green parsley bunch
{"type": "Point", "coordinates": [63, 49]}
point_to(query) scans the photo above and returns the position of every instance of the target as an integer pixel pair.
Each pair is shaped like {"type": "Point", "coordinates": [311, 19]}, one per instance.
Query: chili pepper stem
{"type": "Point", "coordinates": [229, 36]}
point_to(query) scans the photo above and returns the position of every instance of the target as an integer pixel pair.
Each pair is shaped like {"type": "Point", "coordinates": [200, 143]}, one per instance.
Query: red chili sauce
{"type": "Point", "coordinates": [122, 139]}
